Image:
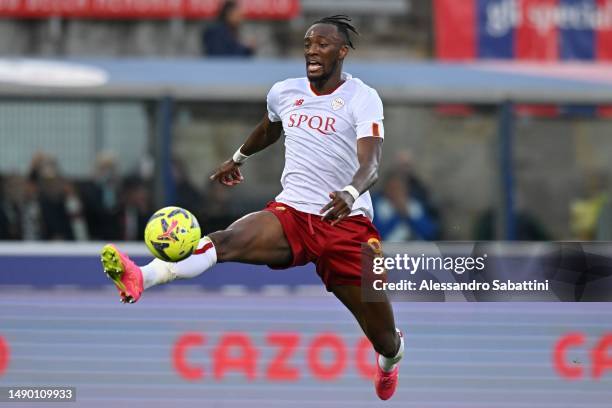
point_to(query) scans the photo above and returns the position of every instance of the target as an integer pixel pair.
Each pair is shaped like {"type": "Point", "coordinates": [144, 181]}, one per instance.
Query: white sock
{"type": "Point", "coordinates": [158, 271]}
{"type": "Point", "coordinates": [388, 364]}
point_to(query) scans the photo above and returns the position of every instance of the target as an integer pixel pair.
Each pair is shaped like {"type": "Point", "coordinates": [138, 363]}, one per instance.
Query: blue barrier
{"type": "Point", "coordinates": [46, 265]}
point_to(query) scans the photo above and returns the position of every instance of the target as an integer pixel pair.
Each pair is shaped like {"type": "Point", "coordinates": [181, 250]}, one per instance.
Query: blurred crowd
{"type": "Point", "coordinates": [46, 205]}
{"type": "Point", "coordinates": [403, 208]}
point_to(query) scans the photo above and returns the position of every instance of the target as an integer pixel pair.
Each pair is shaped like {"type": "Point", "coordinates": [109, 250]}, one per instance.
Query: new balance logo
{"type": "Point", "coordinates": [298, 102]}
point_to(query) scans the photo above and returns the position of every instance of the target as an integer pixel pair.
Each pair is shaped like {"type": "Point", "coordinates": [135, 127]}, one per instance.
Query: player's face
{"type": "Point", "coordinates": [324, 48]}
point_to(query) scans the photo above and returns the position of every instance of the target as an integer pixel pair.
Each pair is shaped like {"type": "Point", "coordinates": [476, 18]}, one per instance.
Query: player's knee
{"type": "Point", "coordinates": [230, 244]}
{"type": "Point", "coordinates": [385, 342]}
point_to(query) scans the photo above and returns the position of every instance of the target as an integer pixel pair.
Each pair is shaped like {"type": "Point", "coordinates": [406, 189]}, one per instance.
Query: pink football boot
{"type": "Point", "coordinates": [386, 382]}
{"type": "Point", "coordinates": [124, 273]}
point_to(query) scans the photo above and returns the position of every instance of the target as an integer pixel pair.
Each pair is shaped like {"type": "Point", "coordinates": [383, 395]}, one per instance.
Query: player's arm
{"type": "Point", "coordinates": [264, 134]}
{"type": "Point", "coordinates": [369, 151]}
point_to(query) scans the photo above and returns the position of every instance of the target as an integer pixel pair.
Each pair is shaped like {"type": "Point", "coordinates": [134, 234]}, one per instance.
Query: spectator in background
{"type": "Point", "coordinates": [586, 217]}
{"type": "Point", "coordinates": [221, 39]}
{"type": "Point", "coordinates": [187, 195]}
{"type": "Point", "coordinates": [101, 199]}
{"type": "Point", "coordinates": [61, 210]}
{"type": "Point", "coordinates": [590, 213]}
{"type": "Point", "coordinates": [76, 211]}
{"type": "Point", "coordinates": [44, 216]}
{"type": "Point", "coordinates": [136, 208]}
{"type": "Point", "coordinates": [31, 217]}
{"type": "Point", "coordinates": [400, 215]}
{"type": "Point", "coordinates": [51, 198]}
{"type": "Point", "coordinates": [403, 165]}
{"type": "Point", "coordinates": [217, 210]}
{"type": "Point", "coordinates": [52, 209]}
{"type": "Point", "coordinates": [11, 198]}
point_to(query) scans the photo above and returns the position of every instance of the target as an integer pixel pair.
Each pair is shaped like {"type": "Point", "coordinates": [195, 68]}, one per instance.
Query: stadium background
{"type": "Point", "coordinates": [503, 130]}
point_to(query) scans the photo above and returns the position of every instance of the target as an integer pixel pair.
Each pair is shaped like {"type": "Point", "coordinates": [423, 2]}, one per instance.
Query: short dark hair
{"type": "Point", "coordinates": [225, 9]}
{"type": "Point", "coordinates": [342, 23]}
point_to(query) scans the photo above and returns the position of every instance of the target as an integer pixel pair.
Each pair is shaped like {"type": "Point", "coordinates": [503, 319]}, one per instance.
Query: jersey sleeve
{"type": "Point", "coordinates": [273, 104]}
{"type": "Point", "coordinates": [368, 114]}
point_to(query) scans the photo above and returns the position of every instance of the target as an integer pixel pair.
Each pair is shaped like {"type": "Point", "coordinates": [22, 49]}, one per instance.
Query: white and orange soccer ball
{"type": "Point", "coordinates": [172, 234]}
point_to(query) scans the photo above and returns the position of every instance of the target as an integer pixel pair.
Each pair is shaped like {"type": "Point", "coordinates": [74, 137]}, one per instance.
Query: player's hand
{"type": "Point", "coordinates": [228, 173]}
{"type": "Point", "coordinates": [339, 207]}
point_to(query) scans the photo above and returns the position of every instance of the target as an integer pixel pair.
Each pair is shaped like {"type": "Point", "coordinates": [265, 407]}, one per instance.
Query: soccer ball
{"type": "Point", "coordinates": [172, 234]}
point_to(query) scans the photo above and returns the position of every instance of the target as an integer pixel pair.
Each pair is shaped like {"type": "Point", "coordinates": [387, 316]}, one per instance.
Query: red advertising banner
{"type": "Point", "coordinates": [156, 9]}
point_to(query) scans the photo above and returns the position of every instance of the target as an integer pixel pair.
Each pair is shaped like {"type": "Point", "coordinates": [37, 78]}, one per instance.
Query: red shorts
{"type": "Point", "coordinates": [335, 250]}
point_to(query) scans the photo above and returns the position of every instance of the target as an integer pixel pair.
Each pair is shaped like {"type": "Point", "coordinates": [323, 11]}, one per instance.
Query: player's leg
{"type": "Point", "coordinates": [377, 322]}
{"type": "Point", "coordinates": [375, 318]}
{"type": "Point", "coordinates": [341, 265]}
{"type": "Point", "coordinates": [257, 238]}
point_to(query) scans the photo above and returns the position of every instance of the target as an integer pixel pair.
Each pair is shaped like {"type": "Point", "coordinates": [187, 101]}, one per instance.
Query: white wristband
{"type": "Point", "coordinates": [352, 191]}
{"type": "Point", "coordinates": [238, 157]}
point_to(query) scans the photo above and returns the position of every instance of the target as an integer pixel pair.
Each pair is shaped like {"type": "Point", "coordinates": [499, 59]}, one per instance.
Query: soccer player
{"type": "Point", "coordinates": [333, 142]}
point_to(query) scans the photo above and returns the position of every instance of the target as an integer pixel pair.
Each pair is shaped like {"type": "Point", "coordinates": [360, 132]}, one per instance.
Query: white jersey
{"type": "Point", "coordinates": [321, 133]}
